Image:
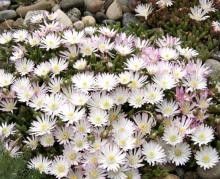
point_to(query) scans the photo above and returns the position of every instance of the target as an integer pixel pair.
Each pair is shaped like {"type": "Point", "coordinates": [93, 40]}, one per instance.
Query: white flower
{"type": "Point", "coordinates": [80, 64]}
{"type": "Point", "coordinates": [187, 52]}
{"type": "Point", "coordinates": [207, 5]}
{"type": "Point", "coordinates": [5, 38]}
{"type": "Point", "coordinates": [64, 134]}
{"type": "Point", "coordinates": [7, 129]}
{"type": "Point", "coordinates": [215, 25]}
{"type": "Point", "coordinates": [43, 125]}
{"type": "Point", "coordinates": [71, 155]}
{"type": "Point", "coordinates": [83, 126]}
{"type": "Point", "coordinates": [144, 10]}
{"type": "Point", "coordinates": [80, 142]}
{"type": "Point", "coordinates": [203, 135]}
{"type": "Point", "coordinates": [120, 95]}
{"type": "Point", "coordinates": [124, 141]}
{"type": "Point", "coordinates": [123, 126]}
{"type": "Point", "coordinates": [207, 157]}
{"type": "Point", "coordinates": [137, 81]}
{"type": "Point", "coordinates": [72, 37]}
{"type": "Point", "coordinates": [107, 31]}
{"type": "Point", "coordinates": [90, 30]}
{"type": "Point", "coordinates": [93, 172]}
{"type": "Point", "coordinates": [79, 98]}
{"type": "Point", "coordinates": [164, 3]}
{"type": "Point", "coordinates": [42, 69]}
{"type": "Point", "coordinates": [165, 81]}
{"type": "Point", "coordinates": [12, 148]}
{"type": "Point", "coordinates": [144, 122]}
{"type": "Point", "coordinates": [106, 81]}
{"type": "Point", "coordinates": [55, 84]}
{"type": "Point", "coordinates": [154, 153]}
{"type": "Point", "coordinates": [59, 167]}
{"type": "Point", "coordinates": [198, 14]}
{"type": "Point", "coordinates": [153, 94]}
{"type": "Point", "coordinates": [98, 117]}
{"type": "Point", "coordinates": [168, 108]}
{"type": "Point", "coordinates": [8, 105]}
{"type": "Point", "coordinates": [37, 101]}
{"type": "Point", "coordinates": [47, 140]}
{"type": "Point", "coordinates": [135, 64]}
{"type": "Point", "coordinates": [172, 136]}
{"type": "Point", "coordinates": [40, 163]}
{"type": "Point", "coordinates": [33, 40]}
{"type": "Point", "coordinates": [111, 157]}
{"type": "Point", "coordinates": [137, 98]}
{"type": "Point", "coordinates": [123, 49]}
{"type": "Point", "coordinates": [87, 48]}
{"type": "Point", "coordinates": [20, 35]}
{"type": "Point", "coordinates": [134, 158]}
{"type": "Point", "coordinates": [6, 79]}
{"type": "Point", "coordinates": [124, 77]}
{"type": "Point", "coordinates": [179, 154]}
{"type": "Point", "coordinates": [167, 54]}
{"type": "Point", "coordinates": [195, 82]}
{"type": "Point", "coordinates": [24, 66]}
{"type": "Point", "coordinates": [58, 65]}
{"type": "Point", "coordinates": [51, 41]}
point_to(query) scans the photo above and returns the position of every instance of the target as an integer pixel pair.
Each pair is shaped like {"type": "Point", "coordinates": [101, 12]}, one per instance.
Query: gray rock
{"type": "Point", "coordinates": [7, 14]}
{"type": "Point", "coordinates": [63, 18]}
{"type": "Point", "coordinates": [87, 13]}
{"type": "Point", "coordinates": [129, 18]}
{"type": "Point", "coordinates": [213, 173]}
{"type": "Point", "coordinates": [214, 65]}
{"type": "Point", "coordinates": [93, 5]}
{"type": "Point", "coordinates": [100, 16]}
{"type": "Point", "coordinates": [191, 175]}
{"type": "Point", "coordinates": [124, 5]}
{"type": "Point", "coordinates": [74, 14]}
{"type": "Point", "coordinates": [30, 14]}
{"type": "Point", "coordinates": [107, 3]}
{"type": "Point", "coordinates": [79, 25]}
{"type": "Point", "coordinates": [67, 4]}
{"type": "Point", "coordinates": [4, 4]}
{"type": "Point", "coordinates": [114, 12]}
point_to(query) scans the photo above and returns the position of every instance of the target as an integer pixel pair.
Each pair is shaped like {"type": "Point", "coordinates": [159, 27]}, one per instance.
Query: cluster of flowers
{"type": "Point", "coordinates": [101, 120]}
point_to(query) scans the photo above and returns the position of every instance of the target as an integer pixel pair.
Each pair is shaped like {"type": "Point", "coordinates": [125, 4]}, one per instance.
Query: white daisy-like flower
{"type": "Point", "coordinates": [215, 25]}
{"type": "Point", "coordinates": [40, 163]}
{"type": "Point", "coordinates": [6, 79]}
{"type": "Point", "coordinates": [58, 65]}
{"type": "Point", "coordinates": [123, 126]}
{"type": "Point", "coordinates": [72, 37]}
{"type": "Point", "coordinates": [71, 155]}
{"type": "Point", "coordinates": [123, 49]}
{"type": "Point", "coordinates": [153, 153]}
{"type": "Point", "coordinates": [55, 84]}
{"type": "Point", "coordinates": [124, 141]}
{"type": "Point", "coordinates": [98, 117]}
{"type": "Point", "coordinates": [198, 14]}
{"type": "Point", "coordinates": [12, 148]}
{"type": "Point", "coordinates": [111, 157]}
{"type": "Point", "coordinates": [153, 94]}
{"type": "Point", "coordinates": [37, 101]}
{"type": "Point", "coordinates": [179, 154]}
{"type": "Point", "coordinates": [120, 95]}
{"type": "Point", "coordinates": [43, 125]}
{"type": "Point", "coordinates": [79, 98]}
{"type": "Point", "coordinates": [207, 157]}
{"type": "Point", "coordinates": [168, 108]}
{"type": "Point", "coordinates": [42, 69]}
{"type": "Point", "coordinates": [83, 126]}
{"type": "Point", "coordinates": [93, 172]}
{"type": "Point", "coordinates": [7, 129]}
{"type": "Point", "coordinates": [87, 48]}
{"type": "Point", "coordinates": [187, 52]}
{"type": "Point", "coordinates": [59, 167]}
{"type": "Point", "coordinates": [134, 158]}
{"type": "Point", "coordinates": [106, 31]}
{"type": "Point", "coordinates": [124, 77]}
{"type": "Point", "coordinates": [80, 64]}
{"type": "Point", "coordinates": [20, 35]}
{"type": "Point", "coordinates": [137, 81]}
{"type": "Point", "coordinates": [31, 142]}
{"type": "Point", "coordinates": [8, 105]}
{"type": "Point", "coordinates": [80, 142]}
{"type": "Point", "coordinates": [195, 82]}
{"type": "Point", "coordinates": [90, 30]}
{"type": "Point", "coordinates": [202, 135]}
{"type": "Point", "coordinates": [178, 72]}
{"type": "Point", "coordinates": [135, 64]}
{"type": "Point", "coordinates": [50, 41]}
{"type": "Point", "coordinates": [137, 98]}
{"type": "Point", "coordinates": [24, 66]}
{"type": "Point", "coordinates": [164, 3]}
{"type": "Point", "coordinates": [47, 140]}
{"type": "Point", "coordinates": [106, 81]}
{"type": "Point", "coordinates": [64, 134]}
{"type": "Point", "coordinates": [165, 81]}
{"type": "Point", "coordinates": [5, 38]}
{"type": "Point", "coordinates": [33, 40]}
{"type": "Point", "coordinates": [167, 54]}
{"type": "Point", "coordinates": [144, 10]}
{"type": "Point", "coordinates": [207, 5]}
{"type": "Point", "coordinates": [172, 136]}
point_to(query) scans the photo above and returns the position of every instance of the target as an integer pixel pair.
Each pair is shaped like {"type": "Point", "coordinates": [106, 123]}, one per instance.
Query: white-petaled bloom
{"type": "Point", "coordinates": [40, 163]}
{"type": "Point", "coordinates": [71, 155]}
{"type": "Point", "coordinates": [119, 174]}
{"type": "Point", "coordinates": [80, 64]}
{"type": "Point", "coordinates": [64, 134]}
{"type": "Point", "coordinates": [106, 31]}
{"type": "Point", "coordinates": [90, 30]}
{"type": "Point", "coordinates": [153, 153]}
{"type": "Point", "coordinates": [137, 98]}
{"type": "Point", "coordinates": [71, 114]}
{"type": "Point", "coordinates": [134, 158]}
{"type": "Point", "coordinates": [93, 172]}
{"type": "Point", "coordinates": [216, 26]}
{"type": "Point", "coordinates": [207, 157]}
{"type": "Point", "coordinates": [135, 64]}
{"type": "Point", "coordinates": [207, 5]}
{"type": "Point", "coordinates": [111, 157]}
{"type": "Point", "coordinates": [79, 98]}
{"type": "Point", "coordinates": [50, 41]}
{"type": "Point", "coordinates": [202, 135]}
{"type": "Point", "coordinates": [25, 94]}
{"type": "Point", "coordinates": [133, 174]}
{"type": "Point", "coordinates": [58, 65]}
{"type": "Point", "coordinates": [137, 81]}
{"type": "Point", "coordinates": [184, 125]}
{"type": "Point", "coordinates": [12, 148]}
{"type": "Point", "coordinates": [172, 136]}
{"type": "Point", "coordinates": [123, 49]}
{"type": "Point", "coordinates": [55, 84]}
{"type": "Point", "coordinates": [120, 95]}
{"type": "Point", "coordinates": [168, 108]}
{"type": "Point", "coordinates": [42, 69]}
{"type": "Point", "coordinates": [98, 117]}
{"type": "Point", "coordinates": [106, 81]}
{"type": "Point", "coordinates": [123, 126]}
{"type": "Point", "coordinates": [7, 129]}
{"type": "Point", "coordinates": [83, 126]}
{"type": "Point", "coordinates": [144, 10]}
{"type": "Point", "coordinates": [187, 52]}
{"type": "Point", "coordinates": [47, 140]}
{"type": "Point", "coordinates": [124, 141]}
{"type": "Point", "coordinates": [72, 37]}
{"type": "Point", "coordinates": [6, 79]}
{"type": "Point", "coordinates": [165, 81]}
{"type": "Point", "coordinates": [20, 35]}
{"type": "Point", "coordinates": [195, 82]}
{"type": "Point", "coordinates": [53, 103]}
{"type": "Point", "coordinates": [24, 66]}
{"type": "Point", "coordinates": [167, 54]}
{"type": "Point", "coordinates": [80, 142]}
{"type": "Point", "coordinates": [87, 48]}
{"type": "Point", "coordinates": [8, 105]}
{"type": "Point", "coordinates": [104, 45]}
{"type": "Point", "coordinates": [164, 3]}
{"type": "Point", "coordinates": [43, 125]}
{"type": "Point", "coordinates": [198, 14]}
{"type": "Point", "coordinates": [5, 38]}
{"type": "Point", "coordinates": [179, 154]}
{"type": "Point", "coordinates": [37, 101]}
{"type": "Point", "coordinates": [144, 122]}
{"type": "Point", "coordinates": [153, 94]}
{"type": "Point", "coordinates": [76, 174]}
{"type": "Point", "coordinates": [85, 82]}
{"type": "Point", "coordinates": [124, 77]}
{"type": "Point", "coordinates": [33, 40]}
{"type": "Point", "coordinates": [38, 18]}
{"type": "Point", "coordinates": [59, 167]}
{"type": "Point", "coordinates": [31, 142]}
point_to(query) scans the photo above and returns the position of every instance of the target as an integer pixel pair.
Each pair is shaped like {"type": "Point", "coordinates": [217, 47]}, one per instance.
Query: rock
{"type": "Point", "coordinates": [7, 24]}
{"type": "Point", "coordinates": [4, 4]}
{"type": "Point", "coordinates": [30, 14]}
{"type": "Point", "coordinates": [214, 65]}
{"type": "Point", "coordinates": [171, 176]}
{"type": "Point", "coordinates": [213, 173]}
{"type": "Point", "coordinates": [63, 18]}
{"type": "Point", "coordinates": [7, 14]}
{"type": "Point", "coordinates": [107, 3]}
{"type": "Point", "coordinates": [40, 5]}
{"type": "Point", "coordinates": [56, 7]}
{"type": "Point", "coordinates": [129, 18]}
{"type": "Point", "coordinates": [19, 22]}
{"type": "Point", "coordinates": [100, 16]}
{"type": "Point", "coordinates": [114, 11]}
{"type": "Point", "coordinates": [89, 21]}
{"type": "Point", "coordinates": [179, 172]}
{"type": "Point", "coordinates": [191, 175]}
{"type": "Point", "coordinates": [87, 13]}
{"type": "Point", "coordinates": [132, 4]}
{"type": "Point", "coordinates": [74, 14]}
{"type": "Point", "coordinates": [124, 5]}
{"type": "Point", "coordinates": [93, 5]}
{"type": "Point", "coordinates": [79, 25]}
{"type": "Point", "coordinates": [67, 4]}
